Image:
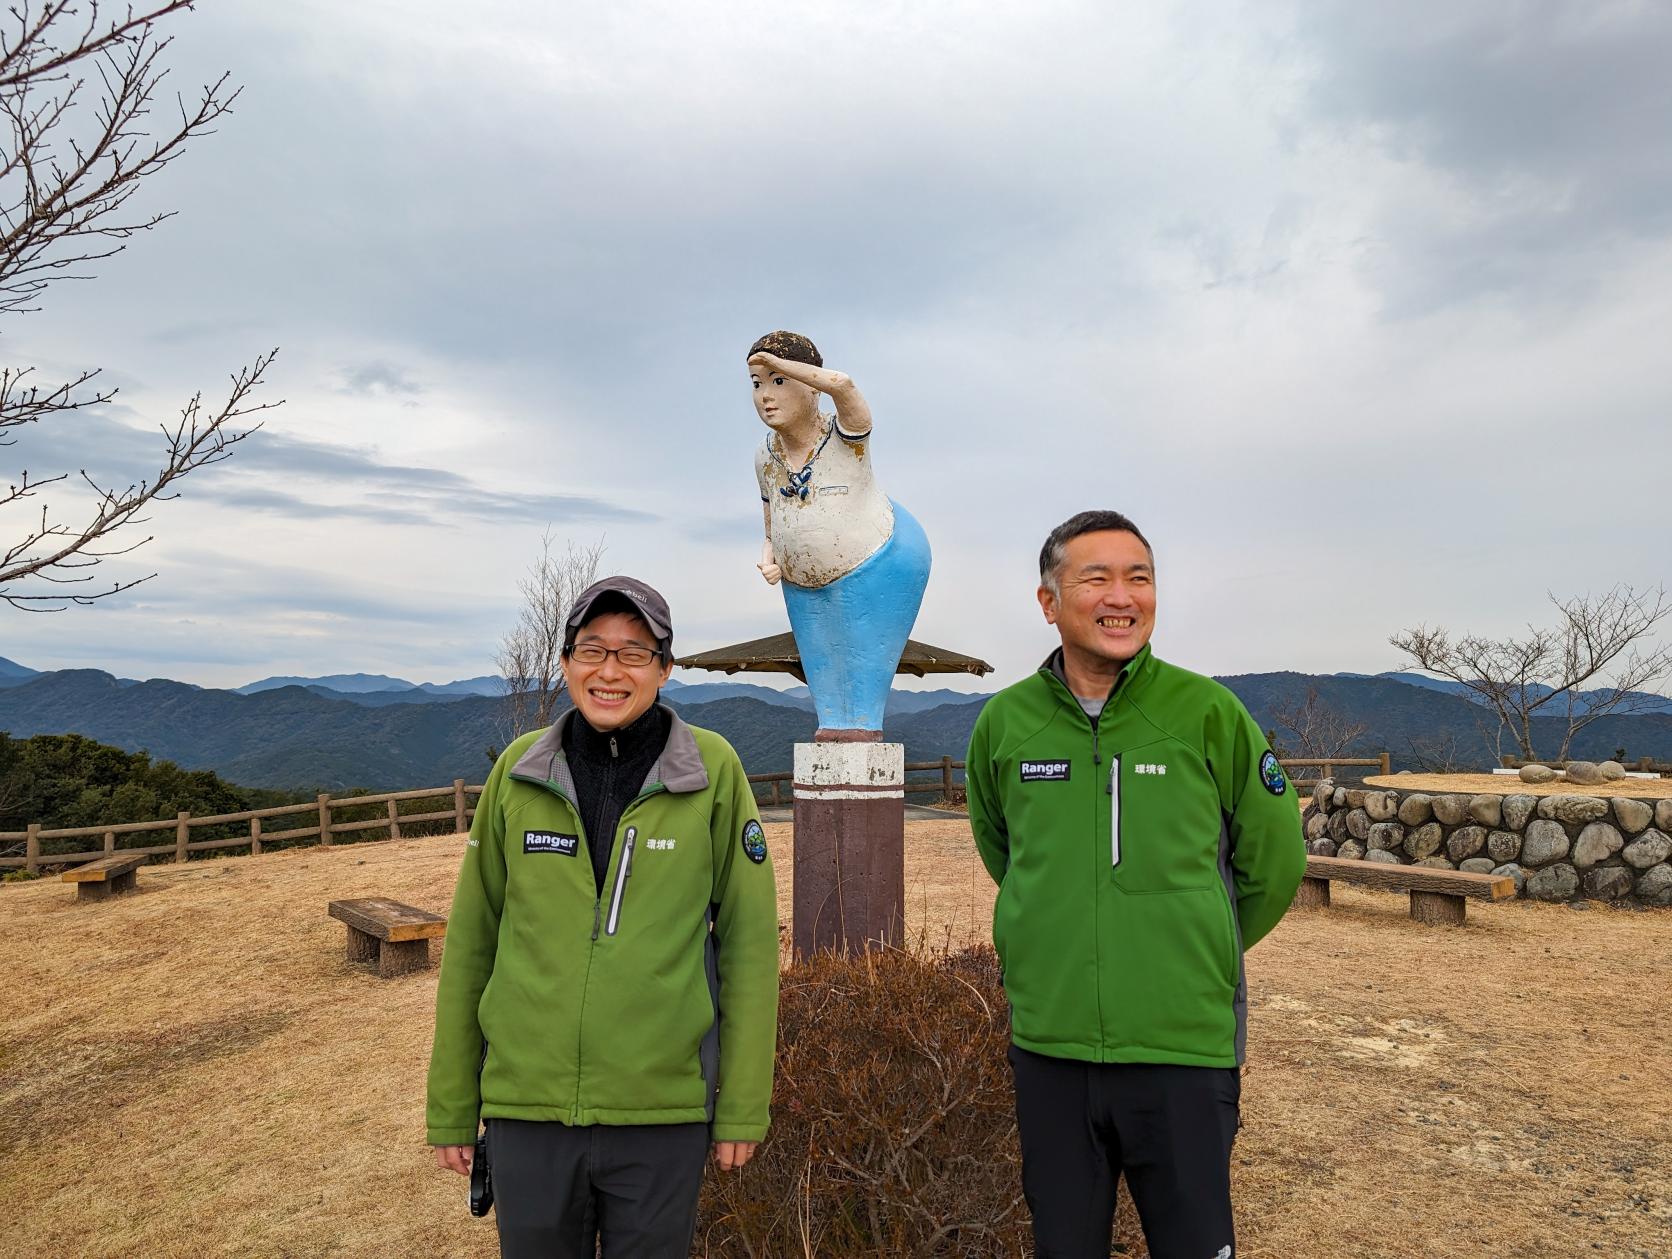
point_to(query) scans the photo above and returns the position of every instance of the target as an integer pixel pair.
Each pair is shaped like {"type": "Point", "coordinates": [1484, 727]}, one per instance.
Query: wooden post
{"type": "Point", "coordinates": [946, 779]}
{"type": "Point", "coordinates": [110, 842]}
{"type": "Point", "coordinates": [324, 819]}
{"type": "Point", "coordinates": [1312, 894]}
{"type": "Point", "coordinates": [1326, 769]}
{"type": "Point", "coordinates": [460, 822]}
{"type": "Point", "coordinates": [32, 847]}
{"type": "Point", "coordinates": [182, 834]}
{"type": "Point", "coordinates": [1387, 763]}
{"type": "Point", "coordinates": [255, 837]}
{"type": "Point", "coordinates": [394, 820]}
{"type": "Point", "coordinates": [776, 802]}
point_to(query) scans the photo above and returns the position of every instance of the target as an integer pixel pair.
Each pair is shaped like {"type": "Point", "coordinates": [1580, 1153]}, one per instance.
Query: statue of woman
{"type": "Point", "coordinates": [853, 562]}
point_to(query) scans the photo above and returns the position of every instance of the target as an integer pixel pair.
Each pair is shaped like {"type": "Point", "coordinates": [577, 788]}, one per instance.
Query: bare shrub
{"type": "Point", "coordinates": [894, 1127]}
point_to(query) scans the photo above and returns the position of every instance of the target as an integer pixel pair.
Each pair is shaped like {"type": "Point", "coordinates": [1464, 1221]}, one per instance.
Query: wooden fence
{"type": "Point", "coordinates": [1325, 765]}
{"type": "Point", "coordinates": [322, 827]}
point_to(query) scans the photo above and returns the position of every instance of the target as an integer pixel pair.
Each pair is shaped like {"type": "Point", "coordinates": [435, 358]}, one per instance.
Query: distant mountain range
{"type": "Point", "coordinates": [395, 735]}
{"type": "Point", "coordinates": [1642, 701]}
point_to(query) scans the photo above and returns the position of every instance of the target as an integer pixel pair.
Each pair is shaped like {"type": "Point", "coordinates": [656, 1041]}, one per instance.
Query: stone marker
{"type": "Point", "coordinates": [1612, 771]}
{"type": "Point", "coordinates": [1585, 773]}
{"type": "Point", "coordinates": [1537, 774]}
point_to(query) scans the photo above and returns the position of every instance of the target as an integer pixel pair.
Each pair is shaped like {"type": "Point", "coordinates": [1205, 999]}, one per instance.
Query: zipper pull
{"type": "Point", "coordinates": [614, 751]}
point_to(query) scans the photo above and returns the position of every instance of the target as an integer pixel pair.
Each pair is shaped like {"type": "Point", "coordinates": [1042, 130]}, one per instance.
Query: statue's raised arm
{"type": "Point", "coordinates": [853, 563]}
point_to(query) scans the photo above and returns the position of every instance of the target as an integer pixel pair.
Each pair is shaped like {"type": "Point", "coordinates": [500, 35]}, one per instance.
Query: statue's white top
{"type": "Point", "coordinates": [827, 517]}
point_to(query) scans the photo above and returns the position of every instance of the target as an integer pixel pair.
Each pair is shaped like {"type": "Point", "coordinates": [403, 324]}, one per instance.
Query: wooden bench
{"type": "Point", "coordinates": [395, 936]}
{"type": "Point", "coordinates": [99, 879]}
{"type": "Point", "coordinates": [1437, 896]}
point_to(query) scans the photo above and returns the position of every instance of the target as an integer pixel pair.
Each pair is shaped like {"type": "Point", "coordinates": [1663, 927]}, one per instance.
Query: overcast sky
{"type": "Point", "coordinates": [1352, 307]}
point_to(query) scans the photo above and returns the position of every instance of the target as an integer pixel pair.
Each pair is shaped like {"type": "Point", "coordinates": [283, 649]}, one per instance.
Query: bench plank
{"type": "Point", "coordinates": [103, 869]}
{"type": "Point", "coordinates": [1400, 878]}
{"type": "Point", "coordinates": [388, 920]}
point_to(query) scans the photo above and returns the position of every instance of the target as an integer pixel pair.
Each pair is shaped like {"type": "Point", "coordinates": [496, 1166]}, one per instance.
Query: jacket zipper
{"type": "Point", "coordinates": [1114, 812]}
{"type": "Point", "coordinates": [623, 872]}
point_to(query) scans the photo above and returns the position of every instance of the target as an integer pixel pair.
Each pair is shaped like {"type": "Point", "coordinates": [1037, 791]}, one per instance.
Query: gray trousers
{"type": "Point", "coordinates": [560, 1191]}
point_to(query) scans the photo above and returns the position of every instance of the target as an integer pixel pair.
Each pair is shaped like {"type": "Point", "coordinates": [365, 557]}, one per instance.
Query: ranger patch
{"type": "Point", "coordinates": [1271, 774]}
{"type": "Point", "coordinates": [754, 842]}
{"type": "Point", "coordinates": [551, 841]}
{"type": "Point", "coordinates": [1045, 771]}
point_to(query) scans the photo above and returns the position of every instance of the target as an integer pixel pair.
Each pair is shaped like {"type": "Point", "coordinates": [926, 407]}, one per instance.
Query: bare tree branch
{"type": "Point", "coordinates": [77, 92]}
{"type": "Point", "coordinates": [1595, 641]}
{"type": "Point", "coordinates": [1317, 729]}
{"type": "Point", "coordinates": [530, 655]}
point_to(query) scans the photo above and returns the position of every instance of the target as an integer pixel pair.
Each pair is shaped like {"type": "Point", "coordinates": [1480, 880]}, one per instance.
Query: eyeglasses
{"type": "Point", "coordinates": [631, 656]}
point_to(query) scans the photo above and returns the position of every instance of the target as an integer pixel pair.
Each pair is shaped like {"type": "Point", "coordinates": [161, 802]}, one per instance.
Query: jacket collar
{"type": "Point", "coordinates": [1130, 673]}
{"type": "Point", "coordinates": [678, 769]}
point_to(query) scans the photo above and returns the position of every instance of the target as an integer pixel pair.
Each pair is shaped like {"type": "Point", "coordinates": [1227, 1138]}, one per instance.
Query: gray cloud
{"type": "Point", "coordinates": [377, 378]}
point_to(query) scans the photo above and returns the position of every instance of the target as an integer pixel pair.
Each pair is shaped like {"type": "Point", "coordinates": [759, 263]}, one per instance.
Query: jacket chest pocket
{"type": "Point", "coordinates": [1164, 820]}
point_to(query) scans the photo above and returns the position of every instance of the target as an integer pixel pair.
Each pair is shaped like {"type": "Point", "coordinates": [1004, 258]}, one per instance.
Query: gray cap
{"type": "Point", "coordinates": [647, 604]}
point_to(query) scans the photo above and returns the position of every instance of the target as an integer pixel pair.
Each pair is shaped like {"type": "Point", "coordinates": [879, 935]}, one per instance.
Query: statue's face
{"type": "Point", "coordinates": [782, 403]}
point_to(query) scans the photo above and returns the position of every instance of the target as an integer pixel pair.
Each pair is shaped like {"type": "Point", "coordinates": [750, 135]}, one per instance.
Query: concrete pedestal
{"type": "Point", "coordinates": [850, 841]}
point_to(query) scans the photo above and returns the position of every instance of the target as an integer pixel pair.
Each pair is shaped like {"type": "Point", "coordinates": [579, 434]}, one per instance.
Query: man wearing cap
{"type": "Point", "coordinates": [609, 990]}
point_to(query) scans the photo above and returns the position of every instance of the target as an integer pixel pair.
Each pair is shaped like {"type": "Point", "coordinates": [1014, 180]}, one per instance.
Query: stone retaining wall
{"type": "Point", "coordinates": [1556, 848]}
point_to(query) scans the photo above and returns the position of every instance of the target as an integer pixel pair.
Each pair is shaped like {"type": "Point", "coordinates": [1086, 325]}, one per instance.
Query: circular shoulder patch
{"type": "Point", "coordinates": [1271, 774]}
{"type": "Point", "coordinates": [754, 842]}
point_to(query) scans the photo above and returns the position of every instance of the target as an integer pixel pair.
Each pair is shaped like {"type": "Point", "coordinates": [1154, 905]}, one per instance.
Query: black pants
{"type": "Point", "coordinates": [1169, 1129]}
{"type": "Point", "coordinates": [558, 1191]}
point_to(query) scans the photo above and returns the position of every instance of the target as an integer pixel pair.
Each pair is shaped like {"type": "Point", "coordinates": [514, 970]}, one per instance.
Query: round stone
{"type": "Point", "coordinates": [1381, 855]}
{"type": "Point", "coordinates": [1476, 865]}
{"type": "Point", "coordinates": [1358, 823]}
{"type": "Point", "coordinates": [1585, 773]}
{"type": "Point", "coordinates": [1537, 774]}
{"type": "Point", "coordinates": [1545, 842]}
{"type": "Point", "coordinates": [1517, 809]}
{"type": "Point", "coordinates": [1559, 882]}
{"type": "Point", "coordinates": [1321, 848]}
{"type": "Point", "coordinates": [1434, 863]}
{"type": "Point", "coordinates": [1648, 849]}
{"type": "Point", "coordinates": [1612, 771]}
{"type": "Point", "coordinates": [1654, 885]}
{"type": "Point", "coordinates": [1503, 846]}
{"type": "Point", "coordinates": [1352, 850]}
{"type": "Point", "coordinates": [1632, 815]}
{"type": "Point", "coordinates": [1487, 810]}
{"type": "Point", "coordinates": [1663, 814]}
{"type": "Point", "coordinates": [1597, 842]}
{"type": "Point", "coordinates": [1450, 810]}
{"type": "Point", "coordinates": [1336, 829]}
{"type": "Point", "coordinates": [1416, 808]}
{"type": "Point", "coordinates": [1576, 810]}
{"type": "Point", "coordinates": [1339, 795]}
{"type": "Point", "coordinates": [1355, 798]}
{"type": "Point", "coordinates": [1381, 805]}
{"type": "Point", "coordinates": [1465, 842]}
{"type": "Point", "coordinates": [1386, 836]}
{"type": "Point", "coordinates": [1316, 825]}
{"type": "Point", "coordinates": [1323, 794]}
{"type": "Point", "coordinates": [1608, 883]}
{"type": "Point", "coordinates": [1511, 870]}
{"type": "Point", "coordinates": [1424, 841]}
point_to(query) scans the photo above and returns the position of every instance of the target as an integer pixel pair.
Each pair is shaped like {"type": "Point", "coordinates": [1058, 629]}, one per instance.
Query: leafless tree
{"type": "Point", "coordinates": [1589, 665]}
{"type": "Point", "coordinates": [77, 90]}
{"type": "Point", "coordinates": [530, 655]}
{"type": "Point", "coordinates": [1315, 728]}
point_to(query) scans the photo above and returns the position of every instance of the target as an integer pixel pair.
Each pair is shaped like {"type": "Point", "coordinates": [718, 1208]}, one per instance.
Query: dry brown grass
{"type": "Point", "coordinates": [194, 1070]}
{"type": "Point", "coordinates": [1509, 785]}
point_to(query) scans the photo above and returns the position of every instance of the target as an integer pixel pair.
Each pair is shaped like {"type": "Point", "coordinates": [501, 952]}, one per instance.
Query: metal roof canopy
{"type": "Point", "coordinates": [778, 654]}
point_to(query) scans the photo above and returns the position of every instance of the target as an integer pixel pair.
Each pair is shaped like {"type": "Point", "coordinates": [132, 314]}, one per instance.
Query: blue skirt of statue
{"type": "Point", "coordinates": [850, 633]}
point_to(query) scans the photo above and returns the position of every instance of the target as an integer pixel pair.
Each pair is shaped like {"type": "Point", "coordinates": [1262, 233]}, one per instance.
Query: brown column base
{"type": "Point", "coordinates": [402, 957]}
{"type": "Point", "coordinates": [850, 829]}
{"type": "Point", "coordinates": [1438, 908]}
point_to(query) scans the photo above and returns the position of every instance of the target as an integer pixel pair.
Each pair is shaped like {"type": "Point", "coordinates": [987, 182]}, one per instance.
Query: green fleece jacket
{"type": "Point", "coordinates": [653, 1000]}
{"type": "Point", "coordinates": [1137, 855]}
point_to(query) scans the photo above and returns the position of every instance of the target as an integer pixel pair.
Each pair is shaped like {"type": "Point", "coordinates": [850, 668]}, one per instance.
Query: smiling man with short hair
{"type": "Point", "coordinates": [609, 989]}
{"type": "Point", "coordinates": [1143, 836]}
